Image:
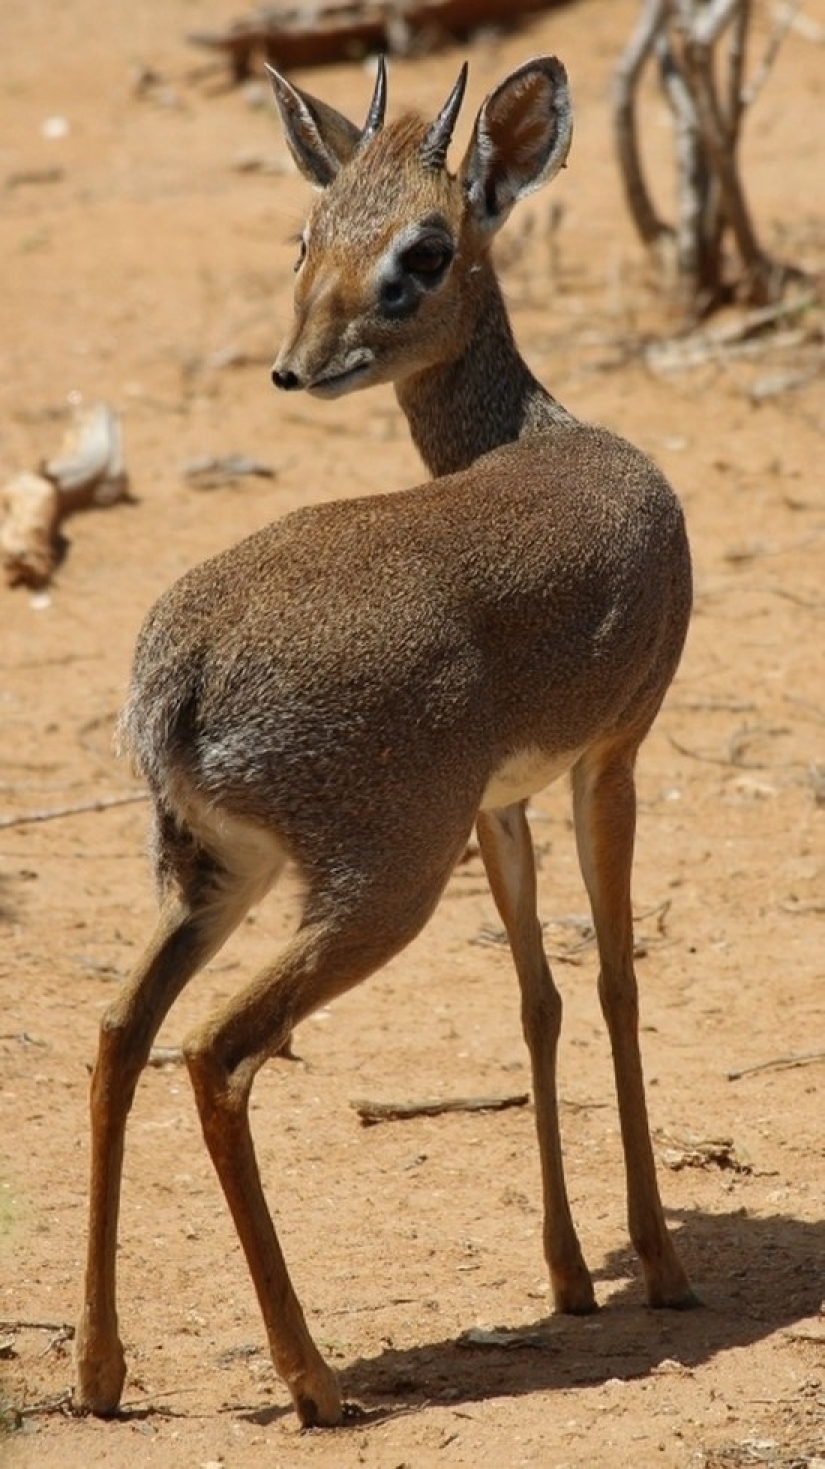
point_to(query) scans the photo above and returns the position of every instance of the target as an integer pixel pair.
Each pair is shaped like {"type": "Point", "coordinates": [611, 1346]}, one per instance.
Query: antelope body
{"type": "Point", "coordinates": [355, 685]}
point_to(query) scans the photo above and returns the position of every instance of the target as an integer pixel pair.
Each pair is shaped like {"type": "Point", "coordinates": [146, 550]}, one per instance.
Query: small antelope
{"type": "Point", "coordinates": [357, 684]}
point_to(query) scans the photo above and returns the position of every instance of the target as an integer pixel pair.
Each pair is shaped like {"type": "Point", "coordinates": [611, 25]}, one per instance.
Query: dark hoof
{"type": "Point", "coordinates": [689, 1301]}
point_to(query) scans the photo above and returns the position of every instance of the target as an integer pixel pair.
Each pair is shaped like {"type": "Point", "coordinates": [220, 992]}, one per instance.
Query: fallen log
{"type": "Point", "coordinates": [323, 31]}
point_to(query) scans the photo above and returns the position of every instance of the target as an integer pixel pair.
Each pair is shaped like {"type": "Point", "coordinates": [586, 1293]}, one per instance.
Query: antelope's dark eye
{"type": "Point", "coordinates": [427, 258]}
{"type": "Point", "coordinates": [302, 253]}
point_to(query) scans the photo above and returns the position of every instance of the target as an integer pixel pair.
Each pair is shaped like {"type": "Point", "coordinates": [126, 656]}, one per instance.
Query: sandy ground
{"type": "Point", "coordinates": [155, 251]}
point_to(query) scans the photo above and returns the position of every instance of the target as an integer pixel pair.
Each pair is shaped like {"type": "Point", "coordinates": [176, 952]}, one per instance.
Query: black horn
{"type": "Point", "coordinates": [378, 105]}
{"type": "Point", "coordinates": [437, 141]}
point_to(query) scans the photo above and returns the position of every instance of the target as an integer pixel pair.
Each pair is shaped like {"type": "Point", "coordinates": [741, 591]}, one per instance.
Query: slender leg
{"type": "Point", "coordinates": [507, 850]}
{"type": "Point", "coordinates": [604, 800]}
{"type": "Point", "coordinates": [326, 957]}
{"type": "Point", "coordinates": [188, 933]}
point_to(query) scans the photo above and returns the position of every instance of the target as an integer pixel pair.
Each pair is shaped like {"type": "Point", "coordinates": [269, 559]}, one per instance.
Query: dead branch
{"type": "Point", "coordinates": [719, 142]}
{"type": "Point", "coordinates": [784, 326]}
{"type": "Point", "coordinates": [802, 25]}
{"type": "Point", "coordinates": [773, 384]}
{"type": "Point", "coordinates": [320, 31]}
{"type": "Point", "coordinates": [489, 937]}
{"type": "Point", "coordinates": [703, 755]}
{"type": "Point", "coordinates": [817, 1335]}
{"type": "Point", "coordinates": [60, 1403]}
{"type": "Point", "coordinates": [88, 471]}
{"type": "Point", "coordinates": [29, 515]}
{"type": "Point", "coordinates": [372, 1112]}
{"type": "Point", "coordinates": [54, 813]}
{"type": "Point", "coordinates": [650, 228]}
{"type": "Point", "coordinates": [739, 742]}
{"type": "Point", "coordinates": [708, 96]}
{"type": "Point", "coordinates": [714, 706]}
{"type": "Point", "coordinates": [811, 604]}
{"type": "Point", "coordinates": [496, 938]}
{"type": "Point", "coordinates": [24, 1324]}
{"type": "Point", "coordinates": [784, 22]}
{"type": "Point", "coordinates": [780, 1063]}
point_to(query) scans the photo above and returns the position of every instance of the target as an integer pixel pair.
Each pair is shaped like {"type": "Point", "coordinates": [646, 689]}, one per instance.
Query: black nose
{"type": "Point", "coordinates": [286, 380]}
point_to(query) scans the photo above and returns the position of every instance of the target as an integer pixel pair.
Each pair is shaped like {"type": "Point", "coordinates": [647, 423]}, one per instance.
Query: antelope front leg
{"type": "Point", "coordinates": [507, 850]}
{"type": "Point", "coordinates": [604, 800]}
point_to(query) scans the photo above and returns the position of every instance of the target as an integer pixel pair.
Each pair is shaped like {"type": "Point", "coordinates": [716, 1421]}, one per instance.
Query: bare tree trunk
{"type": "Point", "coordinates": [719, 142]}
{"type": "Point", "coordinates": [650, 227]}
{"type": "Point", "coordinates": [708, 101]}
{"type": "Point", "coordinates": [698, 270]}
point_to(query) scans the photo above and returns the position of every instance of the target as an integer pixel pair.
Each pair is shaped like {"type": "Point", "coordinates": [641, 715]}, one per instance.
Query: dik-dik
{"type": "Point", "coordinates": [356, 685]}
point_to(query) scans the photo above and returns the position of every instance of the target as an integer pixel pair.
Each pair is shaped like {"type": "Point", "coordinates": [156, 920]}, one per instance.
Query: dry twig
{"type": "Point", "coordinates": [739, 742]}
{"type": "Point", "coordinates": [373, 1112]}
{"type": "Point", "coordinates": [758, 326]}
{"type": "Point", "coordinates": [60, 1403]}
{"type": "Point", "coordinates": [780, 1063]}
{"type": "Point", "coordinates": [24, 1324]}
{"type": "Point", "coordinates": [496, 938]}
{"type": "Point", "coordinates": [784, 21]}
{"type": "Point", "coordinates": [801, 25]}
{"type": "Point", "coordinates": [53, 813]}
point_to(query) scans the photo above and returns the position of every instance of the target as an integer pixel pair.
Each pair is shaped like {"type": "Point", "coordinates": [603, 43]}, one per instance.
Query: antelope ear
{"type": "Point", "coordinates": [521, 138]}
{"type": "Point", "coordinates": [319, 138]}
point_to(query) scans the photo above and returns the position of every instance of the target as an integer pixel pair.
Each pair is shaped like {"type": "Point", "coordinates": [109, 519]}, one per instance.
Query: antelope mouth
{"type": "Point", "coordinates": [342, 380]}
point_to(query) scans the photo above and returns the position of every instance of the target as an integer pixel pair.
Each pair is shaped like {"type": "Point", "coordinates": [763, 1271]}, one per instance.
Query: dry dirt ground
{"type": "Point", "coordinates": [150, 265]}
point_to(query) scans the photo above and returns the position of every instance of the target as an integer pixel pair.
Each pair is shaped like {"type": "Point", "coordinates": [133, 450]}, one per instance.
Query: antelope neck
{"type": "Point", "coordinates": [487, 396]}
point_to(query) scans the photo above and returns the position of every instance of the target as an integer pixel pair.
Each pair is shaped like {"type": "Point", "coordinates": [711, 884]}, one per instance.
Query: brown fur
{"type": "Point", "coordinates": [355, 685]}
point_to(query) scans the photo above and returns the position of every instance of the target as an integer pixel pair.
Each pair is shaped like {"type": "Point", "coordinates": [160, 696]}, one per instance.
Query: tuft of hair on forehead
{"type": "Point", "coordinates": [395, 146]}
{"type": "Point", "coordinates": [379, 186]}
